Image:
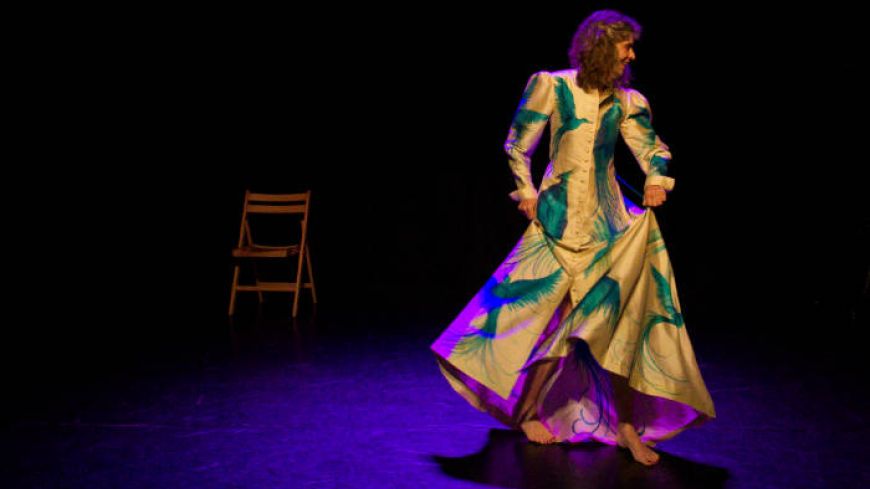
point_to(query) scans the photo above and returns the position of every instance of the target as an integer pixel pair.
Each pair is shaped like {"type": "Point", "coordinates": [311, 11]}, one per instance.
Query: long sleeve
{"type": "Point", "coordinates": [528, 124]}
{"type": "Point", "coordinates": [651, 153]}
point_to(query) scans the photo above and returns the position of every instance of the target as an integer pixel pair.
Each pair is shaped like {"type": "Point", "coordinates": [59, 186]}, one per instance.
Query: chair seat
{"type": "Point", "coordinates": [273, 287]}
{"type": "Point", "coordinates": [260, 251]}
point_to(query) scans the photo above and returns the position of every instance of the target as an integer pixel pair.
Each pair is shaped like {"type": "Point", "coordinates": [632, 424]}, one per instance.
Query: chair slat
{"type": "Point", "coordinates": [266, 252]}
{"type": "Point", "coordinates": [276, 209]}
{"type": "Point", "coordinates": [277, 197]}
{"type": "Point", "coordinates": [268, 287]}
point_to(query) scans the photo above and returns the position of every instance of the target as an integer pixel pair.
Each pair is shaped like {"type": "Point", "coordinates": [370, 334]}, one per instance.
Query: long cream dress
{"type": "Point", "coordinates": [606, 255]}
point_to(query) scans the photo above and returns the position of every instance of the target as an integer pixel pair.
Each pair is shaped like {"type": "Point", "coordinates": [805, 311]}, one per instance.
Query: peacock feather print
{"type": "Point", "coordinates": [532, 256]}
{"type": "Point", "coordinates": [497, 296]}
{"type": "Point", "coordinates": [642, 118]}
{"type": "Point", "coordinates": [608, 201]}
{"type": "Point", "coordinates": [602, 233]}
{"type": "Point", "coordinates": [603, 298]}
{"type": "Point", "coordinates": [567, 114]}
{"type": "Point", "coordinates": [525, 117]}
{"type": "Point", "coordinates": [671, 316]}
{"type": "Point", "coordinates": [655, 243]}
{"type": "Point", "coordinates": [658, 165]}
{"type": "Point", "coordinates": [553, 207]}
{"type": "Point", "coordinates": [644, 121]}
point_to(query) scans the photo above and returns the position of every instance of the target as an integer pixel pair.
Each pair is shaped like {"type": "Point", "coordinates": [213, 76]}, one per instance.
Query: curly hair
{"type": "Point", "coordinates": [593, 49]}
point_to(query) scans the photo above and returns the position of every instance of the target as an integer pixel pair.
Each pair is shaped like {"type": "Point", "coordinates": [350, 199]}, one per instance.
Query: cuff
{"type": "Point", "coordinates": [666, 182]}
{"type": "Point", "coordinates": [527, 193]}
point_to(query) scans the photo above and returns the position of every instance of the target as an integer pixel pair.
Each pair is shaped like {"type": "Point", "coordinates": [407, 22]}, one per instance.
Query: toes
{"type": "Point", "coordinates": [541, 438]}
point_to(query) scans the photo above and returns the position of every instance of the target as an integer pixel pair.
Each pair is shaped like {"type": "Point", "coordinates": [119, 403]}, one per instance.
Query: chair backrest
{"type": "Point", "coordinates": [256, 203]}
{"type": "Point", "coordinates": [260, 203]}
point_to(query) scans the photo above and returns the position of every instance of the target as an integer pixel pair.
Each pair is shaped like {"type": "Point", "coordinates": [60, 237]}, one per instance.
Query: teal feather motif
{"type": "Point", "coordinates": [553, 207]}
{"type": "Point", "coordinates": [648, 354]}
{"type": "Point", "coordinates": [567, 113]}
{"type": "Point", "coordinates": [655, 241]}
{"type": "Point", "coordinates": [605, 141]}
{"type": "Point", "coordinates": [658, 165]}
{"type": "Point", "coordinates": [507, 294]}
{"type": "Point", "coordinates": [604, 297]}
{"type": "Point", "coordinates": [525, 117]}
{"type": "Point", "coordinates": [525, 292]}
{"type": "Point", "coordinates": [602, 233]}
{"type": "Point", "coordinates": [533, 256]}
{"type": "Point", "coordinates": [663, 290]}
{"type": "Point", "coordinates": [644, 121]}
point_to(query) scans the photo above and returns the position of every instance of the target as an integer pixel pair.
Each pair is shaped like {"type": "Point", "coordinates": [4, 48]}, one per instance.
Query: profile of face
{"type": "Point", "coordinates": [624, 56]}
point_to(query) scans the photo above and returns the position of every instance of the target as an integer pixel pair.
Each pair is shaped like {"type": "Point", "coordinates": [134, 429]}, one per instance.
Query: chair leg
{"type": "Point", "coordinates": [233, 291]}
{"type": "Point", "coordinates": [257, 281]}
{"type": "Point", "coordinates": [310, 274]}
{"type": "Point", "coordinates": [298, 282]}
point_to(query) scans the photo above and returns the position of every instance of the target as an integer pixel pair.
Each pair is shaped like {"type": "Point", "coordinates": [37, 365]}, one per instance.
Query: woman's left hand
{"type": "Point", "coordinates": [654, 195]}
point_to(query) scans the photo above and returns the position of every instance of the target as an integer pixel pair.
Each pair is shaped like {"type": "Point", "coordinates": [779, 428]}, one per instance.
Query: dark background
{"type": "Point", "coordinates": [143, 132]}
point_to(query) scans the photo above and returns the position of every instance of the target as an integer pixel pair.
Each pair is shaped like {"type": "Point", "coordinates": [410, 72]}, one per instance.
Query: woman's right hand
{"type": "Point", "coordinates": [529, 207]}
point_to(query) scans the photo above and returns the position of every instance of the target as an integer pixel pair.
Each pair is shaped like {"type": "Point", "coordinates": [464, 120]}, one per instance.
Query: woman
{"type": "Point", "coordinates": [578, 334]}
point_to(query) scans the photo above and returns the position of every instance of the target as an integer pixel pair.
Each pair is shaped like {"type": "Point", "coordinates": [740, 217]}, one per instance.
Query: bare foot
{"type": "Point", "coordinates": [536, 432]}
{"type": "Point", "coordinates": [626, 437]}
{"type": "Point", "coordinates": [621, 441]}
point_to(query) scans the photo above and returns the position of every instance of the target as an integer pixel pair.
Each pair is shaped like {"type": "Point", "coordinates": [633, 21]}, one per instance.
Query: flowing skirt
{"type": "Point", "coordinates": [625, 318]}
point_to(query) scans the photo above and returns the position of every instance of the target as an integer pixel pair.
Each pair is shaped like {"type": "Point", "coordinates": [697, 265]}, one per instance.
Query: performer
{"type": "Point", "coordinates": [578, 334]}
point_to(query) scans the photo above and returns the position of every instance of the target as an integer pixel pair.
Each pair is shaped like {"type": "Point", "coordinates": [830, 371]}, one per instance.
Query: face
{"type": "Point", "coordinates": [624, 55]}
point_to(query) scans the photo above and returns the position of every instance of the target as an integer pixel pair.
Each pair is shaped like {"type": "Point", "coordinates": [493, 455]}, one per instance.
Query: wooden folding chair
{"type": "Point", "coordinates": [258, 203]}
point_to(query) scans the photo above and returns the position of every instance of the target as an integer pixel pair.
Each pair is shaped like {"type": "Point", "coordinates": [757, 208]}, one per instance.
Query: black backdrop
{"type": "Point", "coordinates": [146, 132]}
